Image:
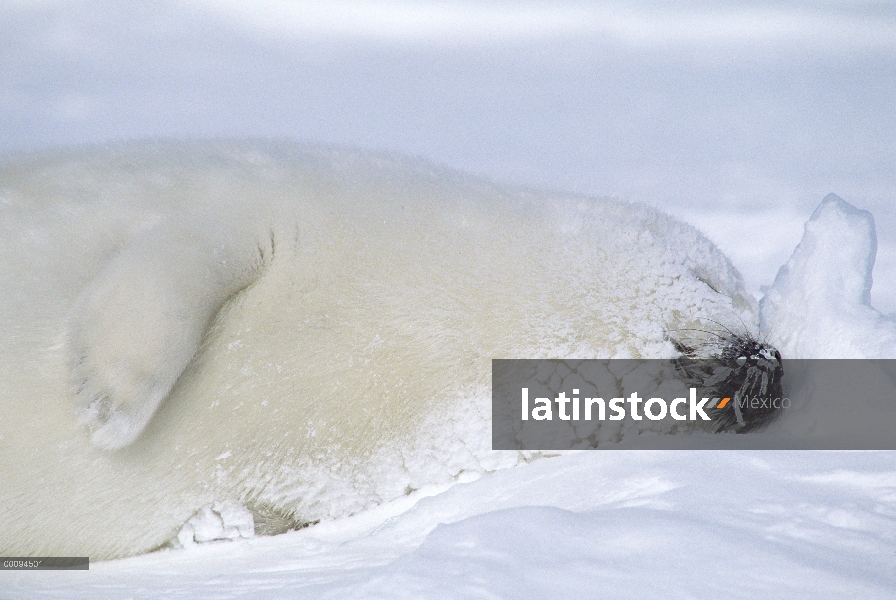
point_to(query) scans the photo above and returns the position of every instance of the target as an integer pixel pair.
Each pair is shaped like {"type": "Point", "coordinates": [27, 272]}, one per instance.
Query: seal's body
{"type": "Point", "coordinates": [308, 329]}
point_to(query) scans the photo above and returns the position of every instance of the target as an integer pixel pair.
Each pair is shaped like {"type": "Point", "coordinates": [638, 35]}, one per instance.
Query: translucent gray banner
{"type": "Point", "coordinates": [693, 404]}
{"type": "Point", "coordinates": [45, 563]}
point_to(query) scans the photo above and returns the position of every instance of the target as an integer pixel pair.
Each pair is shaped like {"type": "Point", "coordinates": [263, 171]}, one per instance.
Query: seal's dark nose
{"type": "Point", "coordinates": [741, 368]}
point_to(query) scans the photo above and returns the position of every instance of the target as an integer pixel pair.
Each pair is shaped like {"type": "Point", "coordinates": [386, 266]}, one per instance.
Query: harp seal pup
{"type": "Point", "coordinates": [304, 329]}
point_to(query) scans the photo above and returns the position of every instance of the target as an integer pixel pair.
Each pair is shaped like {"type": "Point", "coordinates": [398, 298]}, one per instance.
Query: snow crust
{"type": "Point", "coordinates": [218, 521]}
{"type": "Point", "coordinates": [820, 303]}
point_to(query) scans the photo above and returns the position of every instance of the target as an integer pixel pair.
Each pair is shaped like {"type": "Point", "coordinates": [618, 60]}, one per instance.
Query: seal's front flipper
{"type": "Point", "coordinates": [138, 324]}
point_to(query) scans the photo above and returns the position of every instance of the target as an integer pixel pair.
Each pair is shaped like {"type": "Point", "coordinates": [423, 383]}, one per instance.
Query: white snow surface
{"type": "Point", "coordinates": [610, 524]}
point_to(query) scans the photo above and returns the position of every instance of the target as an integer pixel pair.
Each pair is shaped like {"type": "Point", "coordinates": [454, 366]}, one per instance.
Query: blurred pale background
{"type": "Point", "coordinates": [738, 117]}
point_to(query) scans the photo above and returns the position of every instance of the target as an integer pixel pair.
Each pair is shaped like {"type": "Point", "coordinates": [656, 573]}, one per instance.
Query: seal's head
{"type": "Point", "coordinates": [739, 367]}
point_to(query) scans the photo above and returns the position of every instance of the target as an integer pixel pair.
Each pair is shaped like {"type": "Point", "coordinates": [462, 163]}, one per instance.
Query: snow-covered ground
{"type": "Point", "coordinates": [739, 118]}
{"type": "Point", "coordinates": [585, 525]}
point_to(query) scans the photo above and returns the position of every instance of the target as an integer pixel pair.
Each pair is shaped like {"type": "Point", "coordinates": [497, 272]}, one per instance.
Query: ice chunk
{"type": "Point", "coordinates": [218, 521]}
{"type": "Point", "coordinates": [819, 305]}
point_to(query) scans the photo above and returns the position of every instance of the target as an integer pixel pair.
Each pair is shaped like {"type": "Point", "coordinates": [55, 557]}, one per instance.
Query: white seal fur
{"type": "Point", "coordinates": [303, 328]}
